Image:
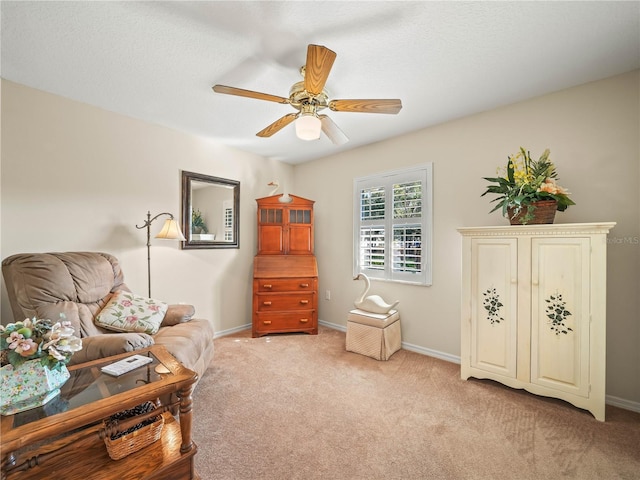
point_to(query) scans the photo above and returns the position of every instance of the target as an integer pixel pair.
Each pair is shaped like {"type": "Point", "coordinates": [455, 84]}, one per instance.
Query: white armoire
{"type": "Point", "coordinates": [534, 309]}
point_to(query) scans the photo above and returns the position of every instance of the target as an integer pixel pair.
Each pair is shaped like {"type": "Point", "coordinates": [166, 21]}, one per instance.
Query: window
{"type": "Point", "coordinates": [228, 221]}
{"type": "Point", "coordinates": [392, 225]}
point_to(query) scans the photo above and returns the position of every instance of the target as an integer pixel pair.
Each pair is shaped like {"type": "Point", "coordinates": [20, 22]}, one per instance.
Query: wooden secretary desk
{"type": "Point", "coordinates": [285, 272]}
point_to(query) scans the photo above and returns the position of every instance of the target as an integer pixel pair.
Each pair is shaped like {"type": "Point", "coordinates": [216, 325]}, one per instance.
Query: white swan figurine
{"type": "Point", "coordinates": [285, 198]}
{"type": "Point", "coordinates": [372, 303]}
{"type": "Point", "coordinates": [276, 185]}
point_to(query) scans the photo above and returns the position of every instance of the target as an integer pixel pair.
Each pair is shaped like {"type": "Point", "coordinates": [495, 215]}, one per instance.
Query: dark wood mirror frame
{"type": "Point", "coordinates": [216, 202]}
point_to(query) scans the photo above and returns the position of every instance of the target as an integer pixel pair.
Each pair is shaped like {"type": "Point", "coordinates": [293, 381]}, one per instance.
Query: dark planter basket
{"type": "Point", "coordinates": [543, 211]}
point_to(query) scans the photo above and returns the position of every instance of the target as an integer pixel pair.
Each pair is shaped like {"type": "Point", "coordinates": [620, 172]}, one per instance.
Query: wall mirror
{"type": "Point", "coordinates": [210, 211]}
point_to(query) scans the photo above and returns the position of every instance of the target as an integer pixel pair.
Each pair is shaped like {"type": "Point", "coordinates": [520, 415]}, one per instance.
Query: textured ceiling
{"type": "Point", "coordinates": [157, 61]}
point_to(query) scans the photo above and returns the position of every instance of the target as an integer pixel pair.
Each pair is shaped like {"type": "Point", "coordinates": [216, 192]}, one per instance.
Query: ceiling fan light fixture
{"type": "Point", "coordinates": [309, 97]}
{"type": "Point", "coordinates": [308, 126]}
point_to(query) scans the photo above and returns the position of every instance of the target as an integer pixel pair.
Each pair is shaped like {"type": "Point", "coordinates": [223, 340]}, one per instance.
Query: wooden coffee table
{"type": "Point", "coordinates": [64, 439]}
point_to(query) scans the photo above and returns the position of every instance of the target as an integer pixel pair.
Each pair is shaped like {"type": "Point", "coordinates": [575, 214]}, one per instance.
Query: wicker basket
{"type": "Point", "coordinates": [543, 211]}
{"type": "Point", "coordinates": [132, 442]}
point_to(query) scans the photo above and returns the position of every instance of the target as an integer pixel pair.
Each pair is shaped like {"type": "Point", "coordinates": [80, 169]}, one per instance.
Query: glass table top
{"type": "Point", "coordinates": [88, 384]}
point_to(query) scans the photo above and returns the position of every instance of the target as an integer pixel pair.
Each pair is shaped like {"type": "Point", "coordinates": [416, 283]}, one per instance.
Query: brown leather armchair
{"type": "Point", "coordinates": [79, 285]}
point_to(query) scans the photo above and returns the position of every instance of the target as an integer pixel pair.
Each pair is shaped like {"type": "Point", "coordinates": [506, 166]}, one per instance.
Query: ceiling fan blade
{"type": "Point", "coordinates": [316, 71]}
{"type": "Point", "coordinates": [366, 106]}
{"type": "Point", "coordinates": [332, 131]}
{"type": "Point", "coordinates": [249, 93]}
{"type": "Point", "coordinates": [277, 125]}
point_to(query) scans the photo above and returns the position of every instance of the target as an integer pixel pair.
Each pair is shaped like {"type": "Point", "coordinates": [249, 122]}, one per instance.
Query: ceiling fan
{"type": "Point", "coordinates": [309, 97]}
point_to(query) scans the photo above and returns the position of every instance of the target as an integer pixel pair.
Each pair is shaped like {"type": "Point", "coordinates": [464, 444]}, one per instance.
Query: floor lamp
{"type": "Point", "coordinates": [170, 231]}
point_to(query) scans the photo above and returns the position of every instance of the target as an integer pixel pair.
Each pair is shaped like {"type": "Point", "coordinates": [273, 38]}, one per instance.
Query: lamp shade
{"type": "Point", "coordinates": [171, 230]}
{"type": "Point", "coordinates": [308, 126]}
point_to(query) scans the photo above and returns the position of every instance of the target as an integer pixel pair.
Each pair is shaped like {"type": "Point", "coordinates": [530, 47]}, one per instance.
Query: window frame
{"type": "Point", "coordinates": [422, 173]}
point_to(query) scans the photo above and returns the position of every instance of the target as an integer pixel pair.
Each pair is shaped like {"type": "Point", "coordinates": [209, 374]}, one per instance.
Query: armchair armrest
{"type": "Point", "coordinates": [178, 313]}
{"type": "Point", "coordinates": [100, 346]}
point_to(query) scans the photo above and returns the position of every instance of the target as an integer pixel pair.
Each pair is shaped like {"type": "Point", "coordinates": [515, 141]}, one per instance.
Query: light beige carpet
{"type": "Point", "coordinates": [301, 407]}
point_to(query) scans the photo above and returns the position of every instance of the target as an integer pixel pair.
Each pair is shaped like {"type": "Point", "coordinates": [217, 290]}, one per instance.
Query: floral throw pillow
{"type": "Point", "coordinates": [128, 312]}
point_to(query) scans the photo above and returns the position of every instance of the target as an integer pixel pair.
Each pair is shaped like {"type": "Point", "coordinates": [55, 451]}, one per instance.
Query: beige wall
{"type": "Point", "coordinates": [593, 133]}
{"type": "Point", "coordinates": [75, 177]}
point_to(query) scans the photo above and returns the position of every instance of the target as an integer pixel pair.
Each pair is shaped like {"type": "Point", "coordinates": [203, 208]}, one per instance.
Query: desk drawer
{"type": "Point", "coordinates": [278, 302]}
{"type": "Point", "coordinates": [285, 284]}
{"type": "Point", "coordinates": [286, 321]}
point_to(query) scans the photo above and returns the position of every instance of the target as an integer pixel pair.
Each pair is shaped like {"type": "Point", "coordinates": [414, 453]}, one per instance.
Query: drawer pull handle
{"type": "Point", "coordinates": [266, 303]}
{"type": "Point", "coordinates": [304, 302]}
{"type": "Point", "coordinates": [267, 322]}
{"type": "Point", "coordinates": [268, 286]}
{"type": "Point", "coordinates": [304, 320]}
{"type": "Point", "coordinates": [304, 285]}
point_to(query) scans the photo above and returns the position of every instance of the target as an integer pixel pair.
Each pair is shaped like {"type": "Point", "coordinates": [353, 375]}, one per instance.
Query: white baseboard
{"type": "Point", "coordinates": [231, 330]}
{"type": "Point", "coordinates": [431, 353]}
{"type": "Point", "coordinates": [609, 399]}
{"type": "Point", "coordinates": [622, 403]}
{"type": "Point", "coordinates": [335, 326]}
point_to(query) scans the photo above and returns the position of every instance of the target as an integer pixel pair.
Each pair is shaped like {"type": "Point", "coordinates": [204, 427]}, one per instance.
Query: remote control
{"type": "Point", "coordinates": [126, 365]}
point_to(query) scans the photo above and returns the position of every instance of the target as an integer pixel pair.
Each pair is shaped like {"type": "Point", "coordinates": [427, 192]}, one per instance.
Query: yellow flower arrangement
{"type": "Point", "coordinates": [524, 181]}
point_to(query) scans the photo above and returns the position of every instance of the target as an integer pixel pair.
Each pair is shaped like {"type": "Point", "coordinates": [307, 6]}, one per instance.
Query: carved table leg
{"type": "Point", "coordinates": [186, 405]}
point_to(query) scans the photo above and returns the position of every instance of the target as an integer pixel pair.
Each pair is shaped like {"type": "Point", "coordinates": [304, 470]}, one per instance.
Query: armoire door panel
{"type": "Point", "coordinates": [560, 314]}
{"type": "Point", "coordinates": [494, 305]}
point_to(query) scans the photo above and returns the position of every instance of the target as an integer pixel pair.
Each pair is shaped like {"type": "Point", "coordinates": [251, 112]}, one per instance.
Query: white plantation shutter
{"type": "Point", "coordinates": [372, 203]}
{"type": "Point", "coordinates": [372, 230]}
{"type": "Point", "coordinates": [228, 221]}
{"type": "Point", "coordinates": [392, 225]}
{"type": "Point", "coordinates": [372, 251]}
{"type": "Point", "coordinates": [407, 249]}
